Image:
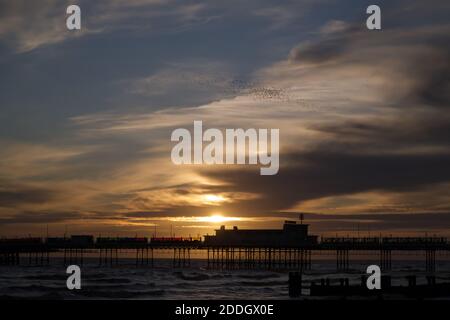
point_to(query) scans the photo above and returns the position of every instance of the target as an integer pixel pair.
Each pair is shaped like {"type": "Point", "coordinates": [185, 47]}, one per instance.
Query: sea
{"type": "Point", "coordinates": [163, 281]}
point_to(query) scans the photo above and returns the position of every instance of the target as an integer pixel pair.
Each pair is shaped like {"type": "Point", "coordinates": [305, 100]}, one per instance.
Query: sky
{"type": "Point", "coordinates": [86, 116]}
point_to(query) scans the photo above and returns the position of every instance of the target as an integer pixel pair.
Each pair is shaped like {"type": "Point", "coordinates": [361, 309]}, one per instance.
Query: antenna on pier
{"type": "Point", "coordinates": [301, 216]}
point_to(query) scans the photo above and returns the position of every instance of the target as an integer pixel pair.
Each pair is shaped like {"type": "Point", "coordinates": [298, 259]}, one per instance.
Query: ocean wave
{"type": "Point", "coordinates": [260, 283]}
{"type": "Point", "coordinates": [99, 294]}
{"type": "Point", "coordinates": [46, 296]}
{"type": "Point", "coordinates": [221, 276]}
{"type": "Point", "coordinates": [191, 277]}
{"type": "Point", "coordinates": [111, 280]}
{"type": "Point", "coordinates": [45, 277]}
{"type": "Point", "coordinates": [258, 276]}
{"type": "Point", "coordinates": [35, 287]}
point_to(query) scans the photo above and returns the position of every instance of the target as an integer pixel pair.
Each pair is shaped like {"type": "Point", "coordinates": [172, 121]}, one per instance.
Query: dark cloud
{"type": "Point", "coordinates": [405, 130]}
{"type": "Point", "coordinates": [335, 40]}
{"type": "Point", "coordinates": [31, 217]}
{"type": "Point", "coordinates": [326, 172]}
{"type": "Point", "coordinates": [18, 196]}
{"type": "Point", "coordinates": [434, 89]}
{"type": "Point", "coordinates": [426, 222]}
{"type": "Point", "coordinates": [421, 55]}
{"type": "Point", "coordinates": [320, 51]}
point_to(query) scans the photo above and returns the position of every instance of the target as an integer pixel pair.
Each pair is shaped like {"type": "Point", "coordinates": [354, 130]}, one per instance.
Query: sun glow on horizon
{"type": "Point", "coordinates": [217, 218]}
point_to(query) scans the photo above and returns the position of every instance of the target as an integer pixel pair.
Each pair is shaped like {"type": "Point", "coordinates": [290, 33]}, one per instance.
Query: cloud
{"type": "Point", "coordinates": [279, 16]}
{"type": "Point", "coordinates": [362, 119]}
{"type": "Point", "coordinates": [194, 82]}
{"type": "Point", "coordinates": [24, 160]}
{"type": "Point", "coordinates": [39, 217]}
{"type": "Point", "coordinates": [321, 51]}
{"type": "Point", "coordinates": [379, 223]}
{"type": "Point", "coordinates": [28, 25]}
{"type": "Point", "coordinates": [396, 51]}
{"type": "Point", "coordinates": [22, 195]}
{"type": "Point", "coordinates": [356, 137]}
{"type": "Point", "coordinates": [326, 172]}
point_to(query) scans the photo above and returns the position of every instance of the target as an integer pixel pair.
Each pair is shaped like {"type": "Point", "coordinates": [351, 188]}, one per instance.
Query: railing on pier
{"type": "Point", "coordinates": [400, 243]}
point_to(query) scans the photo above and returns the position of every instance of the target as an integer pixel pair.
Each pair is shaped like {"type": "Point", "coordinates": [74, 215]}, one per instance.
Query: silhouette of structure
{"type": "Point", "coordinates": [342, 287]}
{"type": "Point", "coordinates": [288, 248]}
{"type": "Point", "coordinates": [292, 235]}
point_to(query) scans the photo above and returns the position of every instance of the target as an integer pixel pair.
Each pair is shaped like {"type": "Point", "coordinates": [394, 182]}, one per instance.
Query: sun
{"type": "Point", "coordinates": [217, 218]}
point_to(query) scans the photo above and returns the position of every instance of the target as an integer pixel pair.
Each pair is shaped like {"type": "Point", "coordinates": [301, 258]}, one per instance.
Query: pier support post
{"type": "Point", "coordinates": [342, 259]}
{"type": "Point", "coordinates": [295, 284]}
{"type": "Point", "coordinates": [385, 259]}
{"type": "Point", "coordinates": [430, 257]}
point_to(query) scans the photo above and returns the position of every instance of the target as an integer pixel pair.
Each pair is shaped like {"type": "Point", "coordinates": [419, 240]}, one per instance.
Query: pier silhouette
{"type": "Point", "coordinates": [289, 248]}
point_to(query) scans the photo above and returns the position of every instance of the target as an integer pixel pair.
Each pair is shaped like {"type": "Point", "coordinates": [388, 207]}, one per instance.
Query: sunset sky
{"type": "Point", "coordinates": [86, 116]}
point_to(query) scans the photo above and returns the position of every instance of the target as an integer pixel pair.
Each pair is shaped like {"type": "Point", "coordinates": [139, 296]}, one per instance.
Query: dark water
{"type": "Point", "coordinates": [165, 282]}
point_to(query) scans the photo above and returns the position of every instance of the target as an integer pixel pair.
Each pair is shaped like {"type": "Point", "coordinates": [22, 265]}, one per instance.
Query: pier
{"type": "Point", "coordinates": [290, 248]}
{"type": "Point", "coordinates": [33, 252]}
